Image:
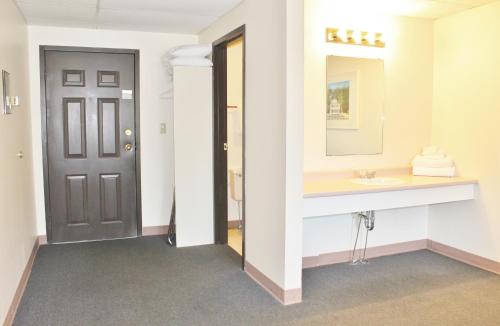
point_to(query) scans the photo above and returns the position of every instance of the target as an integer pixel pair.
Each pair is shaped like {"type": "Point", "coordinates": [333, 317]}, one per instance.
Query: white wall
{"type": "Point", "coordinates": [408, 60]}
{"type": "Point", "coordinates": [235, 98]}
{"type": "Point", "coordinates": [466, 116]}
{"type": "Point", "coordinates": [266, 136]}
{"type": "Point", "coordinates": [337, 233]}
{"type": "Point", "coordinates": [17, 218]}
{"type": "Point", "coordinates": [294, 165]}
{"type": "Point", "coordinates": [157, 149]}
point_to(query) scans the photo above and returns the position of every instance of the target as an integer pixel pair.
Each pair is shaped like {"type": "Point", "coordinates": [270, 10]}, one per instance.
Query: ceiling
{"type": "Point", "coordinates": [172, 16]}
{"type": "Point", "coordinates": [192, 16]}
{"type": "Point", "coordinates": [431, 9]}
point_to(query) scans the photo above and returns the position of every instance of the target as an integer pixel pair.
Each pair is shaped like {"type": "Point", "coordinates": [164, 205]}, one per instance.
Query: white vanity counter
{"type": "Point", "coordinates": [342, 195]}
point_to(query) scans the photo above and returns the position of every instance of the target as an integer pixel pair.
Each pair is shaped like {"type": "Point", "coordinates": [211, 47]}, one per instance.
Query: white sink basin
{"type": "Point", "coordinates": [377, 181]}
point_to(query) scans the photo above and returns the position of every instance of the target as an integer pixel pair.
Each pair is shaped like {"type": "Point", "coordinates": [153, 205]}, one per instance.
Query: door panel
{"type": "Point", "coordinates": [109, 124]}
{"type": "Point", "coordinates": [91, 176]}
{"type": "Point", "coordinates": [110, 191]}
{"type": "Point", "coordinates": [77, 199]}
{"type": "Point", "coordinates": [75, 142]}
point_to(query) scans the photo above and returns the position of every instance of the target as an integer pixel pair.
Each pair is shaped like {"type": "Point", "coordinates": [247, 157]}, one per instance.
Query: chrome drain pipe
{"type": "Point", "coordinates": [368, 218]}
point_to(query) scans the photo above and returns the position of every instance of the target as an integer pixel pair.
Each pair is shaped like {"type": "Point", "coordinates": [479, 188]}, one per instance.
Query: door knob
{"type": "Point", "coordinates": [128, 147]}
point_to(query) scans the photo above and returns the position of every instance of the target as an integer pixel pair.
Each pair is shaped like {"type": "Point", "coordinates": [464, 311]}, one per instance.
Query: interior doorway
{"type": "Point", "coordinates": [235, 143]}
{"type": "Point", "coordinates": [229, 140]}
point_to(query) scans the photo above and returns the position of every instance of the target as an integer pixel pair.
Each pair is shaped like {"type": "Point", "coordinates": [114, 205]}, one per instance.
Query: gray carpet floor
{"type": "Point", "coordinates": [145, 282]}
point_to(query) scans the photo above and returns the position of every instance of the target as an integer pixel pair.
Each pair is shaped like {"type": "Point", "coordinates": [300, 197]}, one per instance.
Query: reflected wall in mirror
{"type": "Point", "coordinates": [6, 97]}
{"type": "Point", "coordinates": [354, 106]}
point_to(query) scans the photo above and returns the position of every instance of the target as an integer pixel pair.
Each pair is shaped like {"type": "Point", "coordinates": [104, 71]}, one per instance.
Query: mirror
{"type": "Point", "coordinates": [6, 105]}
{"type": "Point", "coordinates": [354, 106]}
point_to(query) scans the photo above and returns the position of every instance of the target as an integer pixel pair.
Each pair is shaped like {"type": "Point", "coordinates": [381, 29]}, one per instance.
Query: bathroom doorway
{"type": "Point", "coordinates": [229, 176]}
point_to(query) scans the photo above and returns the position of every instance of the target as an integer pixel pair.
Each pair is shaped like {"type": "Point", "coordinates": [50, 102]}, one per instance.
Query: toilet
{"type": "Point", "coordinates": [236, 189]}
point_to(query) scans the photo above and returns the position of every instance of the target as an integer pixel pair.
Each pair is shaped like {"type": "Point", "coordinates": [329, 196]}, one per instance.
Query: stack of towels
{"type": "Point", "coordinates": [195, 55]}
{"type": "Point", "coordinates": [433, 162]}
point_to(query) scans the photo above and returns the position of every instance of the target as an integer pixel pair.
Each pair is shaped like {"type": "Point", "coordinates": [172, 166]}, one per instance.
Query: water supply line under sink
{"type": "Point", "coordinates": [368, 218]}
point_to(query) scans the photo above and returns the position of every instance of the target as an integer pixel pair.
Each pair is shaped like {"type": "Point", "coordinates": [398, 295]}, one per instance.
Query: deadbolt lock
{"type": "Point", "coordinates": [128, 132]}
{"type": "Point", "coordinates": [128, 147]}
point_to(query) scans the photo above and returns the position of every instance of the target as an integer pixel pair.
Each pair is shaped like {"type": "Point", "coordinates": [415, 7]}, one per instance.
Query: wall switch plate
{"type": "Point", "coordinates": [163, 128]}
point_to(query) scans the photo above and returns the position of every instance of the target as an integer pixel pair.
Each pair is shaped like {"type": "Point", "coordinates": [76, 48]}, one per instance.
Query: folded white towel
{"type": "Point", "coordinates": [437, 156]}
{"type": "Point", "coordinates": [187, 62]}
{"type": "Point", "coordinates": [432, 162]}
{"type": "Point", "coordinates": [434, 172]}
{"type": "Point", "coordinates": [191, 62]}
{"type": "Point", "coordinates": [194, 50]}
{"type": "Point", "coordinates": [432, 150]}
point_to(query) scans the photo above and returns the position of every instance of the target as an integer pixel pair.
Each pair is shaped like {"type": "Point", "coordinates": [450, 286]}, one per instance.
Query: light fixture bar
{"type": "Point", "coordinates": [349, 36]}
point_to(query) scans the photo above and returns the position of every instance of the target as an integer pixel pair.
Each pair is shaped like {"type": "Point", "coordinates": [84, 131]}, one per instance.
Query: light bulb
{"type": "Point", "coordinates": [342, 35]}
{"type": "Point", "coordinates": [356, 37]}
{"type": "Point", "coordinates": [370, 38]}
{"type": "Point", "coordinates": [379, 38]}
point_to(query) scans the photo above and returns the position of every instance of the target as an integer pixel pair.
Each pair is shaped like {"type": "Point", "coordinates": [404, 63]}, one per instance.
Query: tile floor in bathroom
{"type": "Point", "coordinates": [234, 240]}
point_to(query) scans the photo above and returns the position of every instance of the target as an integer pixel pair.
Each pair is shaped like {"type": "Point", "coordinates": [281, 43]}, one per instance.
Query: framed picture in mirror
{"type": "Point", "coordinates": [342, 104]}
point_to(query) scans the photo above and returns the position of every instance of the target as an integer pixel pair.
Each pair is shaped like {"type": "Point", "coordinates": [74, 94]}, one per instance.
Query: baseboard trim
{"type": "Point", "coordinates": [42, 240]}
{"type": "Point", "coordinates": [285, 297]}
{"type": "Point", "coordinates": [146, 232]}
{"type": "Point", "coordinates": [464, 257]}
{"type": "Point", "coordinates": [11, 313]}
{"type": "Point", "coordinates": [233, 224]}
{"type": "Point", "coordinates": [399, 248]}
{"type": "Point", "coordinates": [154, 230]}
{"type": "Point", "coordinates": [379, 251]}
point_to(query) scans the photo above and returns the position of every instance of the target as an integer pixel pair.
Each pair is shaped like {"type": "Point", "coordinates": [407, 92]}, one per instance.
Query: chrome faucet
{"type": "Point", "coordinates": [367, 174]}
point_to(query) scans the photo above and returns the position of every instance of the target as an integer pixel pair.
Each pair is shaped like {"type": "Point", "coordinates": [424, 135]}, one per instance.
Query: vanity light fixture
{"type": "Point", "coordinates": [349, 36]}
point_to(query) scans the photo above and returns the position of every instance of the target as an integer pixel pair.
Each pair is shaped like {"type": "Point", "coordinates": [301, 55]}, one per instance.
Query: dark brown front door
{"type": "Point", "coordinates": [91, 136]}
